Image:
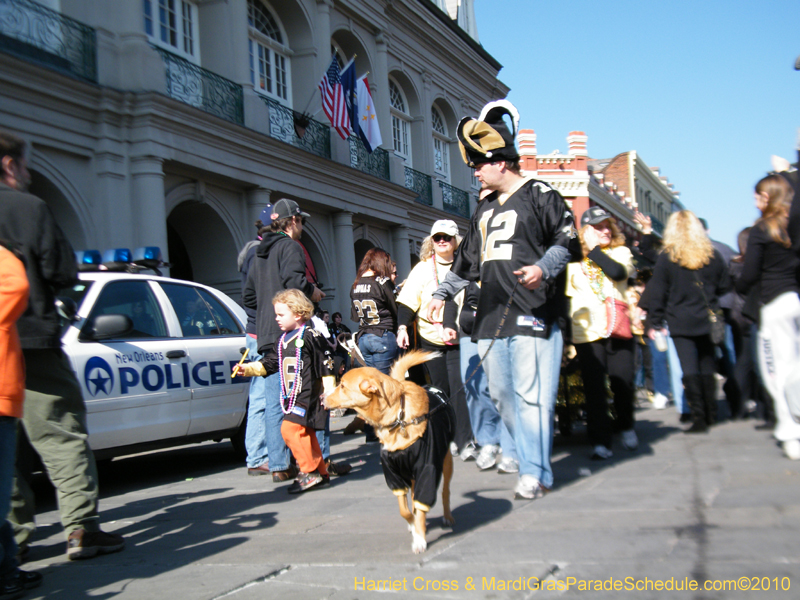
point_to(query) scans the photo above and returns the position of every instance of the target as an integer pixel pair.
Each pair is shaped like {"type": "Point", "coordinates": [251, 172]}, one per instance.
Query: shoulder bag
{"type": "Point", "coordinates": [715, 317]}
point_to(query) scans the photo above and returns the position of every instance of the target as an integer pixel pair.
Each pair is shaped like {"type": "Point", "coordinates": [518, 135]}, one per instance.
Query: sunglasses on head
{"type": "Point", "coordinates": [442, 237]}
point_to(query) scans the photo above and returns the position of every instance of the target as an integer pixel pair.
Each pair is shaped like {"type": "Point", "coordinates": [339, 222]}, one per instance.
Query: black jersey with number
{"type": "Point", "coordinates": [373, 305]}
{"type": "Point", "coordinates": [316, 362]}
{"type": "Point", "coordinates": [503, 238]}
{"type": "Point", "coordinates": [421, 463]}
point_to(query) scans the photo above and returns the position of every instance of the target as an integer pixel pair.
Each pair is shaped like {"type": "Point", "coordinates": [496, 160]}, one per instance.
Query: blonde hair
{"type": "Point", "coordinates": [426, 249]}
{"type": "Point", "coordinates": [775, 216]}
{"type": "Point", "coordinates": [617, 237]}
{"type": "Point", "coordinates": [296, 301]}
{"type": "Point", "coordinates": [686, 241]}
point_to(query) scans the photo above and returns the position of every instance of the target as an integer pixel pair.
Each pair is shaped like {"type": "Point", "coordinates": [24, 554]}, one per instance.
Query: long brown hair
{"type": "Point", "coordinates": [775, 216]}
{"type": "Point", "coordinates": [376, 260]}
{"type": "Point", "coordinates": [686, 241]}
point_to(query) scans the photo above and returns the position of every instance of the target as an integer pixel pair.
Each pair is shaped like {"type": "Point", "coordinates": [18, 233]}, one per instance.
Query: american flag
{"type": "Point", "coordinates": [333, 102]}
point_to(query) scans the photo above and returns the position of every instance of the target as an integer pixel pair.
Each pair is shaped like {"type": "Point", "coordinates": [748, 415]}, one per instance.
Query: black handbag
{"type": "Point", "coordinates": [715, 317]}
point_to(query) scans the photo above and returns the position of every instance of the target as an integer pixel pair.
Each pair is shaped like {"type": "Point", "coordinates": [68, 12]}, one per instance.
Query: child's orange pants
{"type": "Point", "coordinates": [302, 441]}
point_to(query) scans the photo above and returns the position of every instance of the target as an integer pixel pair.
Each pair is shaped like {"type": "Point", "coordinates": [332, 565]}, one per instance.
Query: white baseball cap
{"type": "Point", "coordinates": [445, 226]}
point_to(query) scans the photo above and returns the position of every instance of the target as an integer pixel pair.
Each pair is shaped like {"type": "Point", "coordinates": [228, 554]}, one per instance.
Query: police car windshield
{"type": "Point", "coordinates": [76, 293]}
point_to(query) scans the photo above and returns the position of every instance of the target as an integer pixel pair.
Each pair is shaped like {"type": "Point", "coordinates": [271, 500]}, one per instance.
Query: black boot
{"type": "Point", "coordinates": [710, 399]}
{"type": "Point", "coordinates": [693, 387]}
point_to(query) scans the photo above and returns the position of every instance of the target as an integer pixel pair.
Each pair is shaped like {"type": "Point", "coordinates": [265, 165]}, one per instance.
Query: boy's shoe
{"type": "Point", "coordinates": [529, 488]}
{"type": "Point", "coordinates": [629, 439]}
{"type": "Point", "coordinates": [285, 475]}
{"type": "Point", "coordinates": [601, 453]}
{"type": "Point", "coordinates": [508, 465]}
{"type": "Point", "coordinates": [660, 401]}
{"type": "Point", "coordinates": [470, 452]}
{"type": "Point", "coordinates": [87, 544]}
{"type": "Point", "coordinates": [487, 458]}
{"type": "Point", "coordinates": [305, 481]}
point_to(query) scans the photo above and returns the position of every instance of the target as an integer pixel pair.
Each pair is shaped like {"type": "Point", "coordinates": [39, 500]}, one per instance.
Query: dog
{"type": "Point", "coordinates": [415, 432]}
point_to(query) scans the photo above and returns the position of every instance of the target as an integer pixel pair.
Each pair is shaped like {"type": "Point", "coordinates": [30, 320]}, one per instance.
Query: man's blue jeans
{"type": "Point", "coordinates": [273, 418]}
{"type": "Point", "coordinates": [255, 440]}
{"type": "Point", "coordinates": [8, 448]}
{"type": "Point", "coordinates": [487, 426]}
{"type": "Point", "coordinates": [676, 375]}
{"type": "Point", "coordinates": [378, 352]}
{"type": "Point", "coordinates": [661, 383]}
{"type": "Point", "coordinates": [523, 382]}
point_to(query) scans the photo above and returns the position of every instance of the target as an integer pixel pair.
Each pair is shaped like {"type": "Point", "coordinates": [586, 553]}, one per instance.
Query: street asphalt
{"type": "Point", "coordinates": [719, 510]}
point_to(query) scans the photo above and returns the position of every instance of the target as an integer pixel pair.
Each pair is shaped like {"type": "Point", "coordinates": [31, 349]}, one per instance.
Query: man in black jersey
{"type": "Point", "coordinates": [516, 244]}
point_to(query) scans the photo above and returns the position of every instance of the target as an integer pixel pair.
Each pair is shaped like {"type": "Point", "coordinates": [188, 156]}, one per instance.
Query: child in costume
{"type": "Point", "coordinates": [305, 363]}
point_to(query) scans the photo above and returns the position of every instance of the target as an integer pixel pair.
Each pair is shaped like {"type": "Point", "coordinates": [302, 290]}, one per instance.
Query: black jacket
{"type": "Point", "coordinates": [674, 295]}
{"type": "Point", "coordinates": [245, 261]}
{"type": "Point", "coordinates": [27, 222]}
{"type": "Point", "coordinates": [280, 264]}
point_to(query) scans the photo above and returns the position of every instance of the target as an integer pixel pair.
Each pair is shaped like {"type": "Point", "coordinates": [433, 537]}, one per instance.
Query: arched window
{"type": "Point", "coordinates": [172, 24]}
{"type": "Point", "coordinates": [441, 143]}
{"type": "Point", "coordinates": [401, 123]}
{"type": "Point", "coordinates": [269, 55]}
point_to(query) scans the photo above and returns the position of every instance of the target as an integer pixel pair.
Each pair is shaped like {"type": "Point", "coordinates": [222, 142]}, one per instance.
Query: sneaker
{"type": "Point", "coordinates": [487, 458]}
{"type": "Point", "coordinates": [629, 439]}
{"type": "Point", "coordinates": [453, 449]}
{"type": "Point", "coordinates": [660, 401]}
{"type": "Point", "coordinates": [470, 452]}
{"type": "Point", "coordinates": [26, 580]}
{"type": "Point", "coordinates": [87, 544]}
{"type": "Point", "coordinates": [508, 465]}
{"type": "Point", "coordinates": [791, 448]}
{"type": "Point", "coordinates": [305, 481]}
{"type": "Point", "coordinates": [529, 488]}
{"type": "Point", "coordinates": [601, 452]}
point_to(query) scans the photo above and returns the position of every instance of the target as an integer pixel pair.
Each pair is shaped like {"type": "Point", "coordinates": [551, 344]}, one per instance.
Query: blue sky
{"type": "Point", "coordinates": [706, 89]}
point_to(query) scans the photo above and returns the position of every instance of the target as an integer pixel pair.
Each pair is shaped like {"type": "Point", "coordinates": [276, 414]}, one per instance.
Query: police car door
{"type": "Point", "coordinates": [134, 386]}
{"type": "Point", "coordinates": [214, 341]}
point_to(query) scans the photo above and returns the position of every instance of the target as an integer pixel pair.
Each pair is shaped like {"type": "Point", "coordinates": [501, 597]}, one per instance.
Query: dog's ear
{"type": "Point", "coordinates": [367, 387]}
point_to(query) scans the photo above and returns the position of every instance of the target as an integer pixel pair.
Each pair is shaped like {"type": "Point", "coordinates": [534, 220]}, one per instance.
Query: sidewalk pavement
{"type": "Point", "coordinates": [718, 508]}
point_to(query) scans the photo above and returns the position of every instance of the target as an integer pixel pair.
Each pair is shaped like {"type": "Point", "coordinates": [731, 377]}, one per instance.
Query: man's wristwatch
{"type": "Point", "coordinates": [401, 328]}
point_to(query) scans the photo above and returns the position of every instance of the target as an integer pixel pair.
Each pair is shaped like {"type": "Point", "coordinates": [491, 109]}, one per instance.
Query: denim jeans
{"type": "Point", "coordinates": [273, 419]}
{"type": "Point", "coordinates": [378, 352]}
{"type": "Point", "coordinates": [523, 382]}
{"type": "Point", "coordinates": [661, 382]}
{"type": "Point", "coordinates": [487, 426]}
{"type": "Point", "coordinates": [324, 438]}
{"type": "Point", "coordinates": [8, 446]}
{"type": "Point", "coordinates": [255, 440]}
{"type": "Point", "coordinates": [676, 375]}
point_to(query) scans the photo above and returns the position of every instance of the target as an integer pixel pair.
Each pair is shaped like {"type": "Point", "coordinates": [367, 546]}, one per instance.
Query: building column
{"type": "Point", "coordinates": [379, 88]}
{"type": "Point", "coordinates": [257, 199]}
{"type": "Point", "coordinates": [147, 203]}
{"type": "Point", "coordinates": [401, 251]}
{"type": "Point", "coordinates": [345, 261]}
{"type": "Point", "coordinates": [322, 35]}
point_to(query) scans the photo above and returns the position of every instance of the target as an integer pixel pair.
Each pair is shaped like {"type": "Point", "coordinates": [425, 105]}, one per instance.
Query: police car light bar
{"type": "Point", "coordinates": [88, 260]}
{"type": "Point", "coordinates": [121, 259]}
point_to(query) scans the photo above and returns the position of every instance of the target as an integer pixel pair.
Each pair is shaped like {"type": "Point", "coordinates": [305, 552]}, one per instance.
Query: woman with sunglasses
{"type": "Point", "coordinates": [444, 372]}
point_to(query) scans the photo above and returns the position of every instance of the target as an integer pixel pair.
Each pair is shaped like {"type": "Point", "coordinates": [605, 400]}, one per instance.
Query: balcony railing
{"type": "Point", "coordinates": [285, 125]}
{"type": "Point", "coordinates": [202, 89]}
{"type": "Point", "coordinates": [39, 34]}
{"type": "Point", "coordinates": [455, 201]}
{"type": "Point", "coordinates": [376, 164]}
{"type": "Point", "coordinates": [420, 183]}
{"type": "Point", "coordinates": [658, 226]}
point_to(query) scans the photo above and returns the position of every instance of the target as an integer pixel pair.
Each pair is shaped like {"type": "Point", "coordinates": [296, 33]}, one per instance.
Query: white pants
{"type": "Point", "coordinates": [779, 358]}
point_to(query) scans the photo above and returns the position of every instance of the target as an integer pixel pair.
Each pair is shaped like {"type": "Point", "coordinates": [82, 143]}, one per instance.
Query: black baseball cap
{"type": "Point", "coordinates": [593, 216]}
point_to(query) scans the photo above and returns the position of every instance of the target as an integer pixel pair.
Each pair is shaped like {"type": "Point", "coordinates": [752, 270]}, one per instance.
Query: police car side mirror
{"type": "Point", "coordinates": [67, 309]}
{"type": "Point", "coordinates": [106, 327]}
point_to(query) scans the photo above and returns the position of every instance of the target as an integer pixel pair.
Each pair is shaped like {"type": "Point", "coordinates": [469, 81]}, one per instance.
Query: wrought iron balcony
{"type": "Point", "coordinates": [39, 34]}
{"type": "Point", "coordinates": [202, 89]}
{"type": "Point", "coordinates": [297, 129]}
{"type": "Point", "coordinates": [376, 164]}
{"type": "Point", "coordinates": [455, 201]}
{"type": "Point", "coordinates": [420, 183]}
{"type": "Point", "coordinates": [658, 226]}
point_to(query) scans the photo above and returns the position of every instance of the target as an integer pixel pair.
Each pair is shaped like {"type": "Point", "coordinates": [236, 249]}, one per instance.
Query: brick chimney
{"type": "Point", "coordinates": [526, 140]}
{"type": "Point", "coordinates": [577, 143]}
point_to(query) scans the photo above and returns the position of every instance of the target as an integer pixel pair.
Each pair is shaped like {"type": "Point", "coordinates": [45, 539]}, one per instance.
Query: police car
{"type": "Point", "coordinates": [153, 355]}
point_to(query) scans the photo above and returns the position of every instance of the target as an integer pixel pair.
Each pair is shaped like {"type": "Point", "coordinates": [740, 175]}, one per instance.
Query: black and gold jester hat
{"type": "Point", "coordinates": [488, 138]}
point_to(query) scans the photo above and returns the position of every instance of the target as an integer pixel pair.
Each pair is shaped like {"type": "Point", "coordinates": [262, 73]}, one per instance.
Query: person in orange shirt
{"type": "Point", "coordinates": [13, 301]}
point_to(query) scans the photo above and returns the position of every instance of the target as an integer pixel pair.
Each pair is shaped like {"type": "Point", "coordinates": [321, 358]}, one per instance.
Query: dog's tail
{"type": "Point", "coordinates": [408, 360]}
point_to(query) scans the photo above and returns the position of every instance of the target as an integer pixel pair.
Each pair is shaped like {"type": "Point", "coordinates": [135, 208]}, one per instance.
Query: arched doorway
{"type": "Point", "coordinates": [201, 248]}
{"type": "Point", "coordinates": [65, 215]}
{"type": "Point", "coordinates": [361, 247]}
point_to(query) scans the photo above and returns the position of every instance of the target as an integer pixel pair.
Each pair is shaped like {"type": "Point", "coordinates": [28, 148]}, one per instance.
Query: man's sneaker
{"type": "Point", "coordinates": [487, 458]}
{"type": "Point", "coordinates": [660, 401]}
{"type": "Point", "coordinates": [629, 439]}
{"type": "Point", "coordinates": [26, 580]}
{"type": "Point", "coordinates": [470, 452]}
{"type": "Point", "coordinates": [87, 544]}
{"type": "Point", "coordinates": [305, 481]}
{"type": "Point", "coordinates": [453, 449]}
{"type": "Point", "coordinates": [791, 448]}
{"type": "Point", "coordinates": [508, 465]}
{"type": "Point", "coordinates": [529, 488]}
{"type": "Point", "coordinates": [601, 452]}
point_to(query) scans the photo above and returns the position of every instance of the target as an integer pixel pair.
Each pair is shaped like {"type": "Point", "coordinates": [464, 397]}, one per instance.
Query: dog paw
{"type": "Point", "coordinates": [448, 521]}
{"type": "Point", "coordinates": [418, 545]}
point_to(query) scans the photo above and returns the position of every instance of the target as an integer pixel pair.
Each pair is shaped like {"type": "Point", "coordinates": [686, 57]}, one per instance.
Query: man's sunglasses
{"type": "Point", "coordinates": [441, 237]}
